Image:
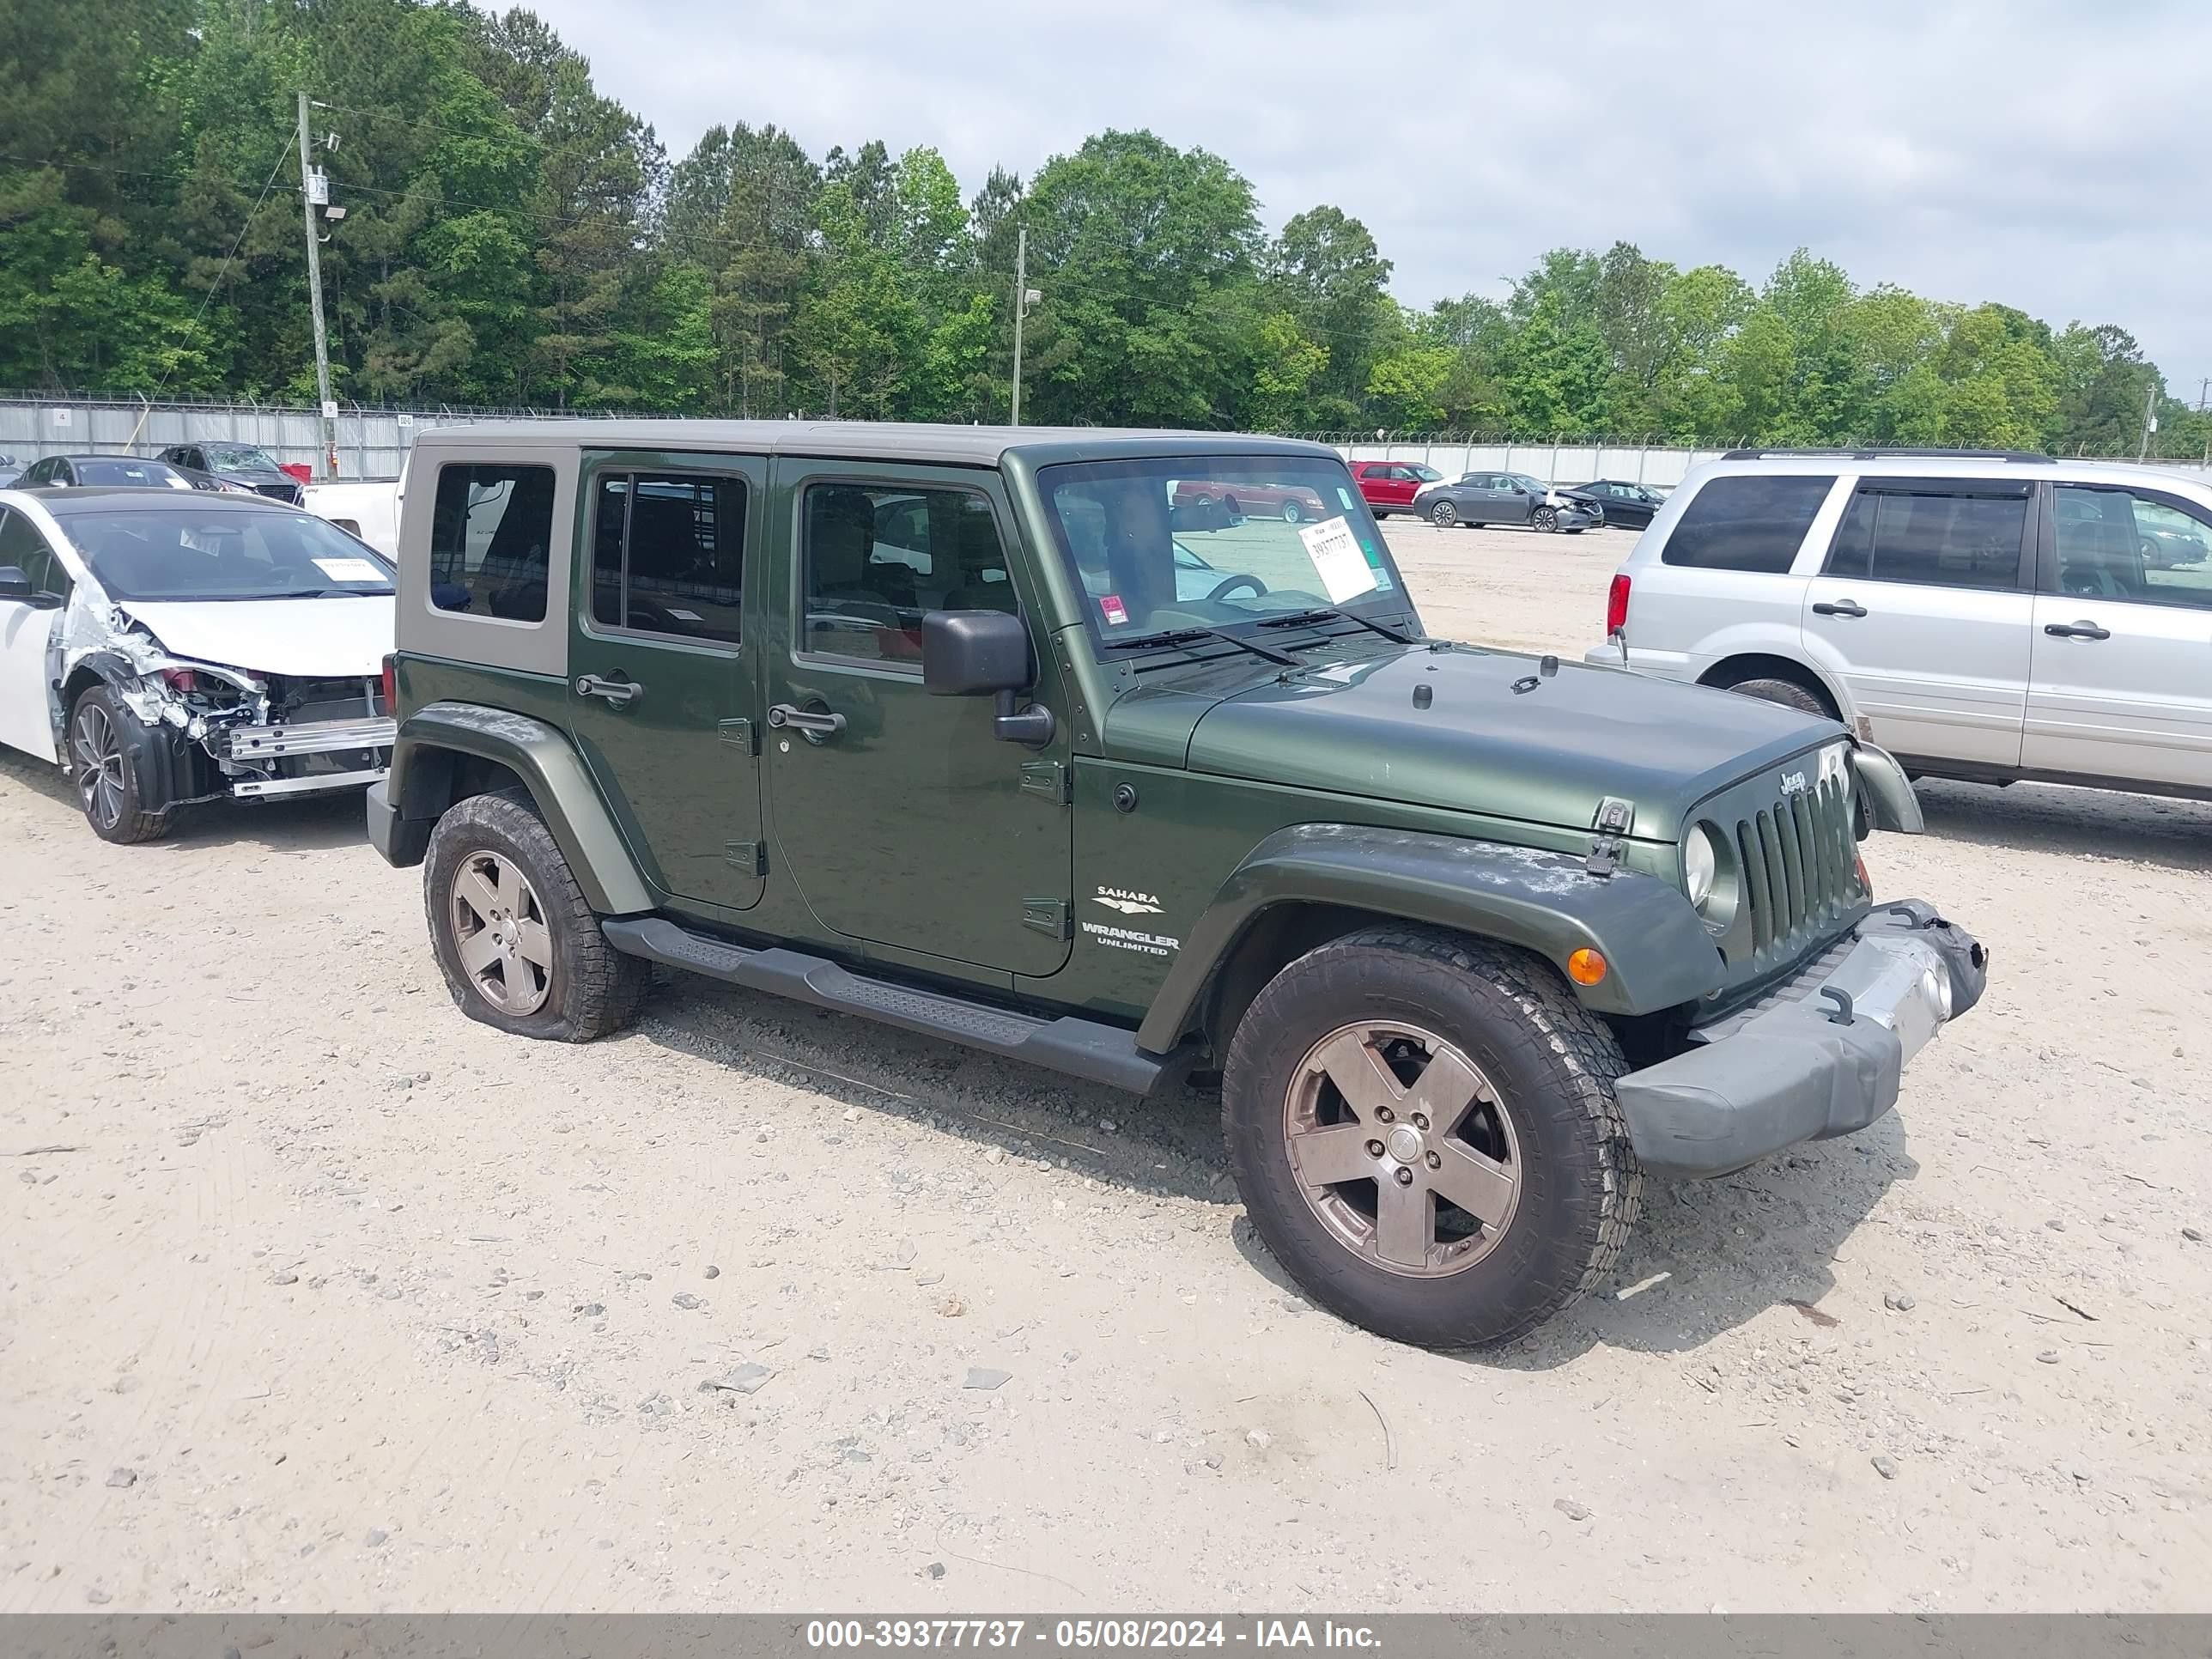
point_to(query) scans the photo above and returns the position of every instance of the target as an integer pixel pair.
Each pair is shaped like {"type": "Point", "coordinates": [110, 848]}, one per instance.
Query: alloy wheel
{"type": "Point", "coordinates": [99, 752]}
{"type": "Point", "coordinates": [1402, 1148]}
{"type": "Point", "coordinates": [1546, 519]}
{"type": "Point", "coordinates": [1292, 513]}
{"type": "Point", "coordinates": [1443, 515]}
{"type": "Point", "coordinates": [500, 931]}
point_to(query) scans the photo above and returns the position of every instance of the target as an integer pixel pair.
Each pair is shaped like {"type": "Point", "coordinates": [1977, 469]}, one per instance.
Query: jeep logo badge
{"type": "Point", "coordinates": [1794, 783]}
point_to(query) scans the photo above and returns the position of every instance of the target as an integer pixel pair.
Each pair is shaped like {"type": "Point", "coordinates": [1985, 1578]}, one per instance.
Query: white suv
{"type": "Point", "coordinates": [1989, 616]}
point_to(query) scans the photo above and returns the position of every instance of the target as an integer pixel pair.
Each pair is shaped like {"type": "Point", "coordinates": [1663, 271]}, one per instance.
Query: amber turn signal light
{"type": "Point", "coordinates": [1586, 966]}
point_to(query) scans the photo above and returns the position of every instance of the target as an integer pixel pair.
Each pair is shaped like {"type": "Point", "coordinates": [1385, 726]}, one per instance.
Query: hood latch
{"type": "Point", "coordinates": [1615, 818]}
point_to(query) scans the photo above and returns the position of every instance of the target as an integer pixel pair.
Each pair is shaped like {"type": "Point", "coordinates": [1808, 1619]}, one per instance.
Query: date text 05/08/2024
{"type": "Point", "coordinates": [1138, 1633]}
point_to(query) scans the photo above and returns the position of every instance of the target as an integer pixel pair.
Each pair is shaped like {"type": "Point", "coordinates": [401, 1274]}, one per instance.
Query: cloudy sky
{"type": "Point", "coordinates": [2056, 157]}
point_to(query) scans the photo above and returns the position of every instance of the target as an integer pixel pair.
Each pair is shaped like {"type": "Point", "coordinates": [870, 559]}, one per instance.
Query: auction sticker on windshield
{"type": "Point", "coordinates": [349, 570]}
{"type": "Point", "coordinates": [1342, 568]}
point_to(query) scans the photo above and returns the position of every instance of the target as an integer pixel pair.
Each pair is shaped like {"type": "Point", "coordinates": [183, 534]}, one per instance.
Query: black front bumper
{"type": "Point", "coordinates": [1817, 1056]}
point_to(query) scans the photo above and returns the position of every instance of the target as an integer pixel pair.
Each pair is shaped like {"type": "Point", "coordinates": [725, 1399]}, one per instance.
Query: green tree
{"type": "Point", "coordinates": [1144, 256]}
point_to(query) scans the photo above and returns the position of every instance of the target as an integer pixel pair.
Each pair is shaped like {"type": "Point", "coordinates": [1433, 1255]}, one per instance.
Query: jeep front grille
{"type": "Point", "coordinates": [1800, 873]}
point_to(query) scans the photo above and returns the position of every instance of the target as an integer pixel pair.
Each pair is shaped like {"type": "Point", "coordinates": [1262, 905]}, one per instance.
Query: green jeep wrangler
{"type": "Point", "coordinates": [1125, 755]}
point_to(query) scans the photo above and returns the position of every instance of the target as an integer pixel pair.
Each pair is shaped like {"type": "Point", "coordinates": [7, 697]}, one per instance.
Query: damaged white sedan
{"type": "Point", "coordinates": [166, 650]}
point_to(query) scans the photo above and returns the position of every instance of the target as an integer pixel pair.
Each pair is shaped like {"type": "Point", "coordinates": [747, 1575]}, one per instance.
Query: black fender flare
{"type": "Point", "coordinates": [417, 792]}
{"type": "Point", "coordinates": [1658, 954]}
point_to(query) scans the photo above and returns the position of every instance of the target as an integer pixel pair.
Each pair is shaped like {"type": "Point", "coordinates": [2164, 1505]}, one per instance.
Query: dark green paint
{"type": "Point", "coordinates": [1659, 955]}
{"type": "Point", "coordinates": [681, 792]}
{"type": "Point", "coordinates": [541, 755]}
{"type": "Point", "coordinates": [911, 827]}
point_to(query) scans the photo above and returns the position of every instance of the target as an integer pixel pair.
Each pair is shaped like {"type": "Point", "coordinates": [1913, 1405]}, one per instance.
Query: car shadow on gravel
{"type": "Point", "coordinates": [1722, 1252]}
{"type": "Point", "coordinates": [2048, 818]}
{"type": "Point", "coordinates": [1731, 1248]}
{"type": "Point", "coordinates": [1164, 1146]}
{"type": "Point", "coordinates": [313, 826]}
{"type": "Point", "coordinates": [1711, 1255]}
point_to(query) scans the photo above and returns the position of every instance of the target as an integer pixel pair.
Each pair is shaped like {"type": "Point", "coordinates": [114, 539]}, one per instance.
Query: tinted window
{"type": "Point", "coordinates": [668, 555]}
{"type": "Point", "coordinates": [1937, 535]}
{"type": "Point", "coordinates": [491, 534]}
{"type": "Point", "coordinates": [1749, 521]}
{"type": "Point", "coordinates": [22, 546]}
{"type": "Point", "coordinates": [877, 557]}
{"type": "Point", "coordinates": [2117, 545]}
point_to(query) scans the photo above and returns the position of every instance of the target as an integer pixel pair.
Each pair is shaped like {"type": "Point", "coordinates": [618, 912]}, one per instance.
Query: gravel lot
{"type": "Point", "coordinates": [316, 1296]}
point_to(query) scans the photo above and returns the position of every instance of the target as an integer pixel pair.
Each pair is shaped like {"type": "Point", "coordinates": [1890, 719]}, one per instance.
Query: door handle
{"type": "Point", "coordinates": [2080, 630]}
{"type": "Point", "coordinates": [620, 693]}
{"type": "Point", "coordinates": [1840, 608]}
{"type": "Point", "coordinates": [807, 721]}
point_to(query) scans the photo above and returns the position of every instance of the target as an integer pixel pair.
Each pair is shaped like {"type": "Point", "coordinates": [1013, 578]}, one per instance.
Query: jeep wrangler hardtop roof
{"type": "Point", "coordinates": [874, 440]}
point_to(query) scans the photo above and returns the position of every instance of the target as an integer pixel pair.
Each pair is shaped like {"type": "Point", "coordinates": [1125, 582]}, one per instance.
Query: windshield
{"type": "Point", "coordinates": [238, 458]}
{"type": "Point", "coordinates": [1162, 545]}
{"type": "Point", "coordinates": [1426, 474]}
{"type": "Point", "coordinates": [148, 475]}
{"type": "Point", "coordinates": [215, 555]}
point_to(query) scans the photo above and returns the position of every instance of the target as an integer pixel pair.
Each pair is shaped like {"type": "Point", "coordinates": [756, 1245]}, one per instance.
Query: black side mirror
{"type": "Point", "coordinates": [15, 582]}
{"type": "Point", "coordinates": [974, 653]}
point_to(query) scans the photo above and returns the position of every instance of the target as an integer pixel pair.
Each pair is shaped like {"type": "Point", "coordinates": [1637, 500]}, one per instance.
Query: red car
{"type": "Point", "coordinates": [1388, 486]}
{"type": "Point", "coordinates": [1233, 500]}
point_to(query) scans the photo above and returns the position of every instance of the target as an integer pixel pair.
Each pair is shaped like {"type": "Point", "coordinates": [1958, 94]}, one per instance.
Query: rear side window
{"type": "Point", "coordinates": [1934, 533]}
{"type": "Point", "coordinates": [668, 555]}
{"type": "Point", "coordinates": [491, 536]}
{"type": "Point", "coordinates": [1752, 521]}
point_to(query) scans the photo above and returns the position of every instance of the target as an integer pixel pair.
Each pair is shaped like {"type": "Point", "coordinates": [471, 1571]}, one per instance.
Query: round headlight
{"type": "Point", "coordinates": [1700, 862]}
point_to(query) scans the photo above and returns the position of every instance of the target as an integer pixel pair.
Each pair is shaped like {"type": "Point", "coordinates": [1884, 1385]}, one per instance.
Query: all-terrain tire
{"type": "Point", "coordinates": [1553, 1065]}
{"type": "Point", "coordinates": [110, 754]}
{"type": "Point", "coordinates": [593, 988]}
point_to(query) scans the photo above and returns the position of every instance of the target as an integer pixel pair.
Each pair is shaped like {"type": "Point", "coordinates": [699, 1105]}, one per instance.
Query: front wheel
{"type": "Point", "coordinates": [1443, 515]}
{"type": "Point", "coordinates": [513, 934]}
{"type": "Point", "coordinates": [1293, 514]}
{"type": "Point", "coordinates": [1546, 519]}
{"type": "Point", "coordinates": [1424, 1129]}
{"type": "Point", "coordinates": [107, 753]}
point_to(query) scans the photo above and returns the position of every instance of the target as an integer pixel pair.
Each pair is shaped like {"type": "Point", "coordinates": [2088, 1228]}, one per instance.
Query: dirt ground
{"type": "Point", "coordinates": [315, 1294]}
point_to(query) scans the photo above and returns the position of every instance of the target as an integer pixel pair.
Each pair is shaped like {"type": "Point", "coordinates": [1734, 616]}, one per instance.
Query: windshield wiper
{"type": "Point", "coordinates": [1185, 635]}
{"type": "Point", "coordinates": [329, 593]}
{"type": "Point", "coordinates": [1301, 619]}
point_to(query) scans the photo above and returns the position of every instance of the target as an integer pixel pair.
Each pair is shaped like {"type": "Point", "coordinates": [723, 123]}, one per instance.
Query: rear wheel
{"type": "Point", "coordinates": [106, 744]}
{"type": "Point", "coordinates": [1424, 1131]}
{"type": "Point", "coordinates": [1790, 694]}
{"type": "Point", "coordinates": [514, 936]}
{"type": "Point", "coordinates": [1443, 515]}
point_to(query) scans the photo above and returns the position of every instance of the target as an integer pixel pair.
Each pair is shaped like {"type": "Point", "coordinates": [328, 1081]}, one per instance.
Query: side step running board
{"type": "Point", "coordinates": [1079, 1048]}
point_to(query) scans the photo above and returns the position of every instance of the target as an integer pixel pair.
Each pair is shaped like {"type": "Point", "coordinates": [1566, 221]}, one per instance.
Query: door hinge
{"type": "Point", "coordinates": [1049, 779]}
{"type": "Point", "coordinates": [737, 734]}
{"type": "Point", "coordinates": [1050, 917]}
{"type": "Point", "coordinates": [748, 856]}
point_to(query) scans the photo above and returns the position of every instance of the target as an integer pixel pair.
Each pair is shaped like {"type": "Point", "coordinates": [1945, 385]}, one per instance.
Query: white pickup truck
{"type": "Point", "coordinates": [368, 508]}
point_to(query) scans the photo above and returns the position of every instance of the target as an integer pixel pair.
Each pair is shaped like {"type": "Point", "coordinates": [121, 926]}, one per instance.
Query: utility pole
{"type": "Point", "coordinates": [307, 205]}
{"type": "Point", "coordinates": [2150, 418]}
{"type": "Point", "coordinates": [1024, 297]}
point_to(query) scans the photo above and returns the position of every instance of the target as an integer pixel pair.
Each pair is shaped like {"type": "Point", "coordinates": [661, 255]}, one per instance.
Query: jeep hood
{"type": "Point", "coordinates": [309, 639]}
{"type": "Point", "coordinates": [1548, 754]}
